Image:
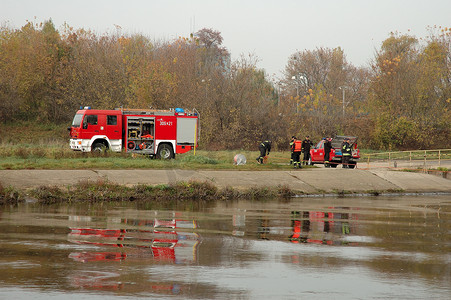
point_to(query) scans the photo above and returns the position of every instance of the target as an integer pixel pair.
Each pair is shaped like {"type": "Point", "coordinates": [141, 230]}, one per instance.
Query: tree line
{"type": "Point", "coordinates": [401, 100]}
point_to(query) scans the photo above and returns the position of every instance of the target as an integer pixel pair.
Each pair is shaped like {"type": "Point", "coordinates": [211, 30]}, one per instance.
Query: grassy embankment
{"type": "Point", "coordinates": [46, 147]}
{"type": "Point", "coordinates": [56, 155]}
{"type": "Point", "coordinates": [31, 146]}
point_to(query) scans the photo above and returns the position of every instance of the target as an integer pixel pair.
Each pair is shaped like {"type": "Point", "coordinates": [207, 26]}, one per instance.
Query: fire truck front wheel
{"type": "Point", "coordinates": [165, 151]}
{"type": "Point", "coordinates": [98, 147]}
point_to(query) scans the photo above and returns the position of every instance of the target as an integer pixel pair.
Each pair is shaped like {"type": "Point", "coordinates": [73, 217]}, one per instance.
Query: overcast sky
{"type": "Point", "coordinates": [272, 30]}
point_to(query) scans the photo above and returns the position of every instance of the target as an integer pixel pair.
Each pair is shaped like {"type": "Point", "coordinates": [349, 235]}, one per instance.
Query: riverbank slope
{"type": "Point", "coordinates": [308, 181]}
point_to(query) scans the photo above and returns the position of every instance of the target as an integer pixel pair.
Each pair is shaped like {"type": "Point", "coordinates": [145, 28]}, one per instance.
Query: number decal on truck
{"type": "Point", "coordinates": [164, 123]}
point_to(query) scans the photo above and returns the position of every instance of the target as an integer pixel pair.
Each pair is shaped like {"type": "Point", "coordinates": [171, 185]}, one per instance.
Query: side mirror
{"type": "Point", "coordinates": [85, 125]}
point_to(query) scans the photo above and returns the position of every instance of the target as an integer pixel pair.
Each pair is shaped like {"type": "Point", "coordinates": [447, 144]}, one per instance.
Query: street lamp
{"type": "Point", "coordinates": [297, 93]}
{"type": "Point", "coordinates": [344, 103]}
{"type": "Point", "coordinates": [207, 82]}
{"type": "Point", "coordinates": [297, 85]}
{"type": "Point", "coordinates": [299, 78]}
{"type": "Point", "coordinates": [277, 85]}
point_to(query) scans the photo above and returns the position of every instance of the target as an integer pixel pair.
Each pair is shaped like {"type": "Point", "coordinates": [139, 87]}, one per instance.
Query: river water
{"type": "Point", "coordinates": [308, 248]}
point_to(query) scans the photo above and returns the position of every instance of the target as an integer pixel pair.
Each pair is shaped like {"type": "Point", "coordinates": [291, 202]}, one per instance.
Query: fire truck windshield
{"type": "Point", "coordinates": [77, 120]}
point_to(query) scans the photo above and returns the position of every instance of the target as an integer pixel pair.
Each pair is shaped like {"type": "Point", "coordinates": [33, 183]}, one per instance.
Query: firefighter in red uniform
{"type": "Point", "coordinates": [296, 150]}
{"type": "Point", "coordinates": [293, 138]}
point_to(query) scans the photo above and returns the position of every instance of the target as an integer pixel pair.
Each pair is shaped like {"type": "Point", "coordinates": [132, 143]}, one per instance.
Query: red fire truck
{"type": "Point", "coordinates": [161, 133]}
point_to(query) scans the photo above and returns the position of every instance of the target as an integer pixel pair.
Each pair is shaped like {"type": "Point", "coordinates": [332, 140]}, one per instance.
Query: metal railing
{"type": "Point", "coordinates": [414, 159]}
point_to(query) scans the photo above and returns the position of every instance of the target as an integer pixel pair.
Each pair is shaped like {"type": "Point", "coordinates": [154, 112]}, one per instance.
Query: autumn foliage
{"type": "Point", "coordinates": [410, 92]}
{"type": "Point", "coordinates": [402, 101]}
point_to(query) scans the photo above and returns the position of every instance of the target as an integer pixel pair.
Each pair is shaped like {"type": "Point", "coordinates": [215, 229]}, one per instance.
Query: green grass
{"type": "Point", "coordinates": [32, 145]}
{"type": "Point", "coordinates": [46, 146]}
{"type": "Point", "coordinates": [57, 155]}
{"type": "Point", "coordinates": [33, 133]}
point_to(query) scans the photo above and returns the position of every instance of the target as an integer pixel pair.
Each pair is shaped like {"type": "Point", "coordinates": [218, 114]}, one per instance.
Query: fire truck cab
{"type": "Point", "coordinates": [161, 133]}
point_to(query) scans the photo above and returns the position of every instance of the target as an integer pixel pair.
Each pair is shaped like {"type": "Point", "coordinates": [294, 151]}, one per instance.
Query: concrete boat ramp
{"type": "Point", "coordinates": [309, 181]}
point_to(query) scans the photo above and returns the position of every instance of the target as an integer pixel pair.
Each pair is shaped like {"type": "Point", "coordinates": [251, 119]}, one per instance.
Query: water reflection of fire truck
{"type": "Point", "coordinates": [167, 241]}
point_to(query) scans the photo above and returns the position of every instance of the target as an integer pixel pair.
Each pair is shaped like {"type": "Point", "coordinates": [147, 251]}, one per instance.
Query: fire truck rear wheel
{"type": "Point", "coordinates": [165, 152]}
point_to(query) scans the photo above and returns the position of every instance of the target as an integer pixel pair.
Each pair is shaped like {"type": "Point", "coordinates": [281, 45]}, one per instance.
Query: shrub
{"type": "Point", "coordinates": [8, 195]}
{"type": "Point", "coordinates": [284, 191]}
{"type": "Point", "coordinates": [38, 152]}
{"type": "Point", "coordinates": [48, 195]}
{"type": "Point", "coordinates": [21, 152]}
